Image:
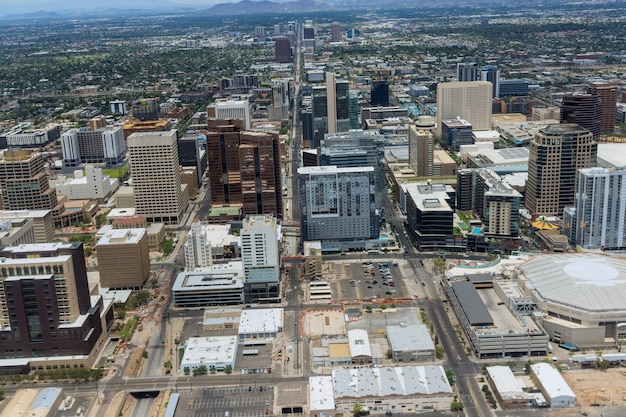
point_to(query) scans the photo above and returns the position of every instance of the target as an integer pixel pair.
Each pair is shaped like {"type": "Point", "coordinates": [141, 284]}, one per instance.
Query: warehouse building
{"type": "Point", "coordinates": [411, 343]}
{"type": "Point", "coordinates": [553, 386]}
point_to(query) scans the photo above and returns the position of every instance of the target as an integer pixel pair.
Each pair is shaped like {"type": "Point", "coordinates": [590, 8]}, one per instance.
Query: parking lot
{"type": "Point", "coordinates": [227, 402]}
{"type": "Point", "coordinates": [371, 280]}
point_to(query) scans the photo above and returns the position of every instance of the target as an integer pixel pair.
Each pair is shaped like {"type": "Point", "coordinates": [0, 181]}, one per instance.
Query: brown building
{"type": "Point", "coordinates": [136, 126]}
{"type": "Point", "coordinates": [608, 102]}
{"type": "Point", "coordinates": [244, 168]}
{"type": "Point", "coordinates": [189, 176]}
{"type": "Point", "coordinates": [49, 310]}
{"type": "Point", "coordinates": [556, 154]}
{"type": "Point", "coordinates": [282, 50]}
{"type": "Point", "coordinates": [123, 258]}
{"type": "Point", "coordinates": [583, 110]}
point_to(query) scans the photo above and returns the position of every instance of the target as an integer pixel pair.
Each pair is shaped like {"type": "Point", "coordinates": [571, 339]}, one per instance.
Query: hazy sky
{"type": "Point", "coordinates": [27, 6]}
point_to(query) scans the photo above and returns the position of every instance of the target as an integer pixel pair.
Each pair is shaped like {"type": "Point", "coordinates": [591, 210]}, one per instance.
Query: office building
{"type": "Point", "coordinates": [244, 168]}
{"type": "Point", "coordinates": [598, 218]}
{"type": "Point", "coordinates": [466, 71]}
{"type": "Point", "coordinates": [383, 113]}
{"type": "Point", "coordinates": [279, 107]}
{"type": "Point", "coordinates": [556, 154]}
{"type": "Point", "coordinates": [421, 148]}
{"type": "Point", "coordinates": [221, 284]}
{"type": "Point", "coordinates": [118, 107]}
{"type": "Point", "coordinates": [430, 209]}
{"type": "Point", "coordinates": [135, 126]}
{"type": "Point", "coordinates": [25, 186]}
{"type": "Point", "coordinates": [16, 231]}
{"type": "Point", "coordinates": [282, 50]}
{"type": "Point", "coordinates": [468, 100]}
{"type": "Point", "coordinates": [331, 108]}
{"type": "Point", "coordinates": [49, 317]}
{"type": "Point", "coordinates": [491, 74]}
{"type": "Point", "coordinates": [380, 94]}
{"type": "Point", "coordinates": [154, 168]}
{"type": "Point", "coordinates": [192, 153]}
{"type": "Point", "coordinates": [456, 132]}
{"type": "Point", "coordinates": [607, 93]}
{"type": "Point", "coordinates": [261, 238]}
{"type": "Point", "coordinates": [123, 258]}
{"type": "Point", "coordinates": [43, 224]}
{"type": "Point", "coordinates": [230, 109]}
{"type": "Point", "coordinates": [513, 87]}
{"type": "Point", "coordinates": [146, 109]}
{"type": "Point", "coordinates": [338, 205]}
{"type": "Point", "coordinates": [356, 148]}
{"type": "Point", "coordinates": [335, 32]}
{"type": "Point", "coordinates": [546, 113]}
{"type": "Point", "coordinates": [495, 202]}
{"type": "Point", "coordinates": [584, 110]}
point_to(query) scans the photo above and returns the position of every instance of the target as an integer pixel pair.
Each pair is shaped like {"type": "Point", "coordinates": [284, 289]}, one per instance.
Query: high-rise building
{"type": "Point", "coordinates": [309, 32]}
{"type": "Point", "coordinates": [261, 237]}
{"type": "Point", "coordinates": [332, 107]}
{"type": "Point", "coordinates": [118, 107]}
{"type": "Point", "coordinates": [357, 148]}
{"type": "Point", "coordinates": [582, 109]}
{"type": "Point", "coordinates": [192, 153]}
{"type": "Point", "coordinates": [466, 71]}
{"type": "Point", "coordinates": [244, 168]}
{"type": "Point", "coordinates": [50, 319]}
{"type": "Point", "coordinates": [421, 148]}
{"type": "Point", "coordinates": [123, 258]}
{"type": "Point", "coordinates": [497, 203]}
{"type": "Point", "coordinates": [230, 109]}
{"type": "Point", "coordinates": [338, 205]}
{"type": "Point", "coordinates": [468, 100]}
{"type": "Point", "coordinates": [492, 74]}
{"type": "Point", "coordinates": [430, 215]}
{"type": "Point", "coordinates": [556, 153]}
{"type": "Point", "coordinates": [24, 183]}
{"type": "Point", "coordinates": [89, 146]}
{"type": "Point", "coordinates": [513, 87]}
{"type": "Point", "coordinates": [607, 92]}
{"type": "Point", "coordinates": [282, 50]}
{"type": "Point", "coordinates": [598, 218]}
{"type": "Point", "coordinates": [456, 132]}
{"type": "Point", "coordinates": [380, 93]}
{"type": "Point", "coordinates": [154, 167]}
{"type": "Point", "coordinates": [335, 32]}
{"type": "Point", "coordinates": [146, 109]}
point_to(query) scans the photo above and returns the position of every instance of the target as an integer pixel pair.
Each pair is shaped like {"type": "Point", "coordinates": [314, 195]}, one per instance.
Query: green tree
{"type": "Point", "coordinates": [1, 394]}
{"type": "Point", "coordinates": [120, 314]}
{"type": "Point", "coordinates": [142, 296]}
{"type": "Point", "coordinates": [186, 370]}
{"type": "Point", "coordinates": [144, 354]}
{"type": "Point", "coordinates": [450, 376]}
{"type": "Point", "coordinates": [368, 309]}
{"type": "Point", "coordinates": [167, 365]}
{"type": "Point", "coordinates": [439, 352]}
{"type": "Point", "coordinates": [228, 369]}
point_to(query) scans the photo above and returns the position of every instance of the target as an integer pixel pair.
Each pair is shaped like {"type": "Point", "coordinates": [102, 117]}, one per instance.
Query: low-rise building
{"type": "Point", "coordinates": [217, 353]}
{"type": "Point", "coordinates": [553, 386]}
{"type": "Point", "coordinates": [90, 184]}
{"type": "Point", "coordinates": [221, 284]}
{"type": "Point", "coordinates": [43, 222]}
{"type": "Point", "coordinates": [410, 343]}
{"type": "Point", "coordinates": [263, 323]}
{"type": "Point", "coordinates": [507, 387]}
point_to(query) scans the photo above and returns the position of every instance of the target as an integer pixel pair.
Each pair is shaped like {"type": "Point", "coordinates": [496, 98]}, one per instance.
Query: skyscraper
{"type": "Point", "coordinates": [230, 109]}
{"type": "Point", "coordinates": [582, 109]}
{"type": "Point", "coordinates": [598, 218]}
{"type": "Point", "coordinates": [466, 71]}
{"type": "Point", "coordinates": [244, 168]}
{"type": "Point", "coordinates": [491, 74]}
{"type": "Point", "coordinates": [380, 93]}
{"type": "Point", "coordinates": [50, 318]}
{"type": "Point", "coordinates": [556, 153]}
{"type": "Point", "coordinates": [282, 50]}
{"type": "Point", "coordinates": [156, 177]}
{"type": "Point", "coordinates": [338, 205]}
{"type": "Point", "coordinates": [421, 147]}
{"type": "Point", "coordinates": [607, 92]}
{"type": "Point", "coordinates": [333, 108]}
{"type": "Point", "coordinates": [260, 253]}
{"type": "Point", "coordinates": [335, 32]}
{"type": "Point", "coordinates": [468, 100]}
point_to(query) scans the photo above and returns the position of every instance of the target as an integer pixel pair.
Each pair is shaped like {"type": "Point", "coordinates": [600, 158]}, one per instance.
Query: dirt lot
{"type": "Point", "coordinates": [597, 387]}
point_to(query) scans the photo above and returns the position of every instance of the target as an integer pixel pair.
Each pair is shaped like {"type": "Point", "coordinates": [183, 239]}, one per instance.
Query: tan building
{"type": "Point", "coordinates": [443, 164]}
{"type": "Point", "coordinates": [43, 224]}
{"type": "Point", "coordinates": [421, 148]}
{"type": "Point", "coordinates": [556, 154]}
{"type": "Point", "coordinates": [312, 260]}
{"type": "Point", "coordinates": [123, 258]}
{"type": "Point", "coordinates": [189, 176]}
{"type": "Point", "coordinates": [159, 194]}
{"type": "Point", "coordinates": [136, 126]}
{"type": "Point", "coordinates": [469, 100]}
{"type": "Point", "coordinates": [124, 198]}
{"type": "Point", "coordinates": [15, 232]}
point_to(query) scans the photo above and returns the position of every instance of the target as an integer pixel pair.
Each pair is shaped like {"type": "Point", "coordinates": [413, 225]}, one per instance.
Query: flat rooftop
{"type": "Point", "coordinates": [209, 350]}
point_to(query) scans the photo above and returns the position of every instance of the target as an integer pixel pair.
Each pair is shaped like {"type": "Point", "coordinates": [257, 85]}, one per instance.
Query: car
{"type": "Point", "coordinates": [466, 255]}
{"type": "Point", "coordinates": [385, 283]}
{"type": "Point", "coordinates": [267, 403]}
{"type": "Point", "coordinates": [388, 293]}
{"type": "Point", "coordinates": [369, 286]}
{"type": "Point", "coordinates": [423, 284]}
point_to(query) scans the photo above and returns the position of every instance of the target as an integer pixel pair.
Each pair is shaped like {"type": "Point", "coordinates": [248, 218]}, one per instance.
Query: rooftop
{"type": "Point", "coordinates": [321, 393]}
{"type": "Point", "coordinates": [209, 350]}
{"type": "Point", "coordinates": [262, 320]}
{"type": "Point", "coordinates": [410, 338]}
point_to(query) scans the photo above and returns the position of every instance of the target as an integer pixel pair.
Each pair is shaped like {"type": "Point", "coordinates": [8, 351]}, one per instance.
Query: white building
{"type": "Point", "coordinates": [219, 285]}
{"type": "Point", "coordinates": [260, 252]}
{"type": "Point", "coordinates": [411, 343]}
{"type": "Point", "coordinates": [507, 387]}
{"type": "Point", "coordinates": [321, 399]}
{"type": "Point", "coordinates": [261, 323]}
{"type": "Point", "coordinates": [232, 109]}
{"type": "Point", "coordinates": [396, 389]}
{"type": "Point", "coordinates": [218, 352]}
{"type": "Point", "coordinates": [208, 242]}
{"type": "Point", "coordinates": [553, 386]}
{"type": "Point", "coordinates": [87, 185]}
{"type": "Point", "coordinates": [359, 343]}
